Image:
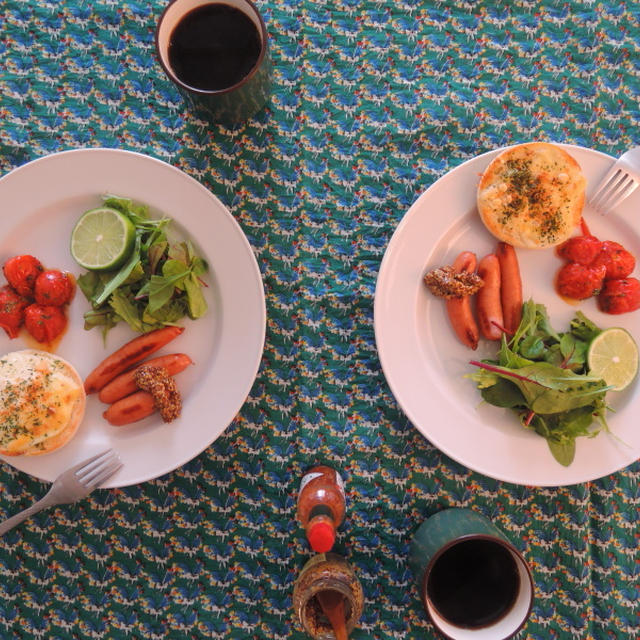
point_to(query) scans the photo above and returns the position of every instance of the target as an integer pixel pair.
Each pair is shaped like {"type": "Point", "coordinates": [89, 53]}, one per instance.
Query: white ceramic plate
{"type": "Point", "coordinates": [425, 365]}
{"type": "Point", "coordinates": [41, 202]}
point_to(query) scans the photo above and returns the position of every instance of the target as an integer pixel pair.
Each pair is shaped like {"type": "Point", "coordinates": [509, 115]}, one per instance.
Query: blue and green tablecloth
{"type": "Point", "coordinates": [373, 101]}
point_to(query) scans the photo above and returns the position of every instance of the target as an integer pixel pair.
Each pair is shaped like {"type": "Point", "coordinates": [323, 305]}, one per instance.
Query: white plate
{"type": "Point", "coordinates": [425, 365]}
{"type": "Point", "coordinates": [41, 202]}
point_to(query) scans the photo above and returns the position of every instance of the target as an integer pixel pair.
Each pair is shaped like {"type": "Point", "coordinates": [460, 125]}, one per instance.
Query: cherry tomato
{"type": "Point", "coordinates": [44, 323]}
{"type": "Point", "coordinates": [21, 273]}
{"type": "Point", "coordinates": [620, 296]}
{"type": "Point", "coordinates": [581, 249]}
{"type": "Point", "coordinates": [53, 288]}
{"type": "Point", "coordinates": [617, 260]}
{"type": "Point", "coordinates": [12, 306]}
{"type": "Point", "coordinates": [578, 281]}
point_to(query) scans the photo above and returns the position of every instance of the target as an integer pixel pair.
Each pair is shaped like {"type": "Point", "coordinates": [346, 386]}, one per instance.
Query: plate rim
{"type": "Point", "coordinates": [384, 357]}
{"type": "Point", "coordinates": [253, 269]}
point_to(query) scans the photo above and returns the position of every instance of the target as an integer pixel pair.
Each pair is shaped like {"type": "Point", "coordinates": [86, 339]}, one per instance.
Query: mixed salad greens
{"type": "Point", "coordinates": [158, 284]}
{"type": "Point", "coordinates": [542, 375]}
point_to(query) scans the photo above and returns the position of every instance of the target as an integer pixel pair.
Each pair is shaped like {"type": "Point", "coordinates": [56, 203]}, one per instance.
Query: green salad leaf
{"type": "Point", "coordinates": [542, 376]}
{"type": "Point", "coordinates": [159, 284]}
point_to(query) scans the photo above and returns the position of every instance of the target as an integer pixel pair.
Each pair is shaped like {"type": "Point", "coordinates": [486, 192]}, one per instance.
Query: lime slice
{"type": "Point", "coordinates": [613, 356]}
{"type": "Point", "coordinates": [102, 239]}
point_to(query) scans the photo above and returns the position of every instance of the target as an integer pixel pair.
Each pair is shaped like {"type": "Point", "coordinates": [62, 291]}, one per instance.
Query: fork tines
{"type": "Point", "coordinates": [97, 469]}
{"type": "Point", "coordinates": [615, 187]}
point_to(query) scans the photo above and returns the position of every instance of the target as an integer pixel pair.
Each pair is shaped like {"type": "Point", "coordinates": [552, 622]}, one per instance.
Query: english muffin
{"type": "Point", "coordinates": [532, 195]}
{"type": "Point", "coordinates": [42, 402]}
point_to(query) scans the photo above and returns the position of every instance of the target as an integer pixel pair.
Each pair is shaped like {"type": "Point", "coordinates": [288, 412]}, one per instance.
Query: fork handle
{"type": "Point", "coordinates": [11, 522]}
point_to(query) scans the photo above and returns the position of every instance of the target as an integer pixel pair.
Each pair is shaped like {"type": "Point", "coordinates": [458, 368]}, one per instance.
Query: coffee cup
{"type": "Point", "coordinates": [217, 55]}
{"type": "Point", "coordinates": [474, 584]}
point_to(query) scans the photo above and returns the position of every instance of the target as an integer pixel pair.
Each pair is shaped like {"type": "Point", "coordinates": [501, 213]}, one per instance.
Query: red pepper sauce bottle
{"type": "Point", "coordinates": [321, 506]}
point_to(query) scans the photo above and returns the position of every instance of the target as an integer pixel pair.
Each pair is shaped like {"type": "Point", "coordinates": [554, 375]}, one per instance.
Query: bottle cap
{"type": "Point", "coordinates": [321, 536]}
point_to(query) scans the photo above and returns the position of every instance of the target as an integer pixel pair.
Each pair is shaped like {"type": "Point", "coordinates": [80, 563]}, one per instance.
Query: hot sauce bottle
{"type": "Point", "coordinates": [321, 506]}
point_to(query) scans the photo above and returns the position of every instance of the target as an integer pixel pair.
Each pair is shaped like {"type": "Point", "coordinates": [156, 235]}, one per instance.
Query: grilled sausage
{"type": "Point", "coordinates": [489, 305]}
{"type": "Point", "coordinates": [510, 286]}
{"type": "Point", "coordinates": [134, 407]}
{"type": "Point", "coordinates": [459, 309]}
{"type": "Point", "coordinates": [129, 354]}
{"type": "Point", "coordinates": [125, 384]}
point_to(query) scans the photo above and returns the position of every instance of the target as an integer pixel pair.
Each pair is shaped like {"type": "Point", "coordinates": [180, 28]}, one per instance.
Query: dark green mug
{"type": "Point", "coordinates": [474, 584]}
{"type": "Point", "coordinates": [216, 52]}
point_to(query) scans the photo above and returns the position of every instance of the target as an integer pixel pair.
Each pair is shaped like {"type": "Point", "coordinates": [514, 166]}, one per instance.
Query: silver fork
{"type": "Point", "coordinates": [71, 486]}
{"type": "Point", "coordinates": [621, 181]}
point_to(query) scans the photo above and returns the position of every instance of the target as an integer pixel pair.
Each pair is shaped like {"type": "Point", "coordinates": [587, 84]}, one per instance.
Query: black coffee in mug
{"type": "Point", "coordinates": [213, 47]}
{"type": "Point", "coordinates": [474, 583]}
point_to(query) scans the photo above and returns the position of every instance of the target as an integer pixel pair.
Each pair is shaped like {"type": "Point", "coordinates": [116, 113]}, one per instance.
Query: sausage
{"type": "Point", "coordinates": [510, 286]}
{"type": "Point", "coordinates": [125, 384]}
{"type": "Point", "coordinates": [130, 409]}
{"type": "Point", "coordinates": [459, 309]}
{"type": "Point", "coordinates": [128, 355]}
{"type": "Point", "coordinates": [489, 306]}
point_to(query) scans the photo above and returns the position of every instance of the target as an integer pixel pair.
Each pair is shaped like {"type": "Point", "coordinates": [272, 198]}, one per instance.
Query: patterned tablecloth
{"type": "Point", "coordinates": [374, 100]}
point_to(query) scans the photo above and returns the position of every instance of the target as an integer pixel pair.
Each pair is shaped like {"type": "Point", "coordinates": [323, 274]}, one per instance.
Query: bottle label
{"type": "Point", "coordinates": [306, 479]}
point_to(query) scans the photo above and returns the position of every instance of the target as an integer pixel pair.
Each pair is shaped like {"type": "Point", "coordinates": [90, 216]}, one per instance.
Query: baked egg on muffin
{"type": "Point", "coordinates": [42, 402]}
{"type": "Point", "coordinates": [532, 195]}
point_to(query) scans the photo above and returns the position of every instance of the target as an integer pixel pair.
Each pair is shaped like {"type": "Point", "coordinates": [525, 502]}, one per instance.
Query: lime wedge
{"type": "Point", "coordinates": [613, 356]}
{"type": "Point", "coordinates": [102, 239]}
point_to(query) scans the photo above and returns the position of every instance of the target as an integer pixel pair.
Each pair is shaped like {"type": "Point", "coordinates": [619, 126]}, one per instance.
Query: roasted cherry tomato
{"type": "Point", "coordinates": [620, 296]}
{"type": "Point", "coordinates": [44, 323]}
{"type": "Point", "coordinates": [617, 260]}
{"type": "Point", "coordinates": [12, 306]}
{"type": "Point", "coordinates": [578, 281]}
{"type": "Point", "coordinates": [53, 288]}
{"type": "Point", "coordinates": [21, 273]}
{"type": "Point", "coordinates": [581, 249]}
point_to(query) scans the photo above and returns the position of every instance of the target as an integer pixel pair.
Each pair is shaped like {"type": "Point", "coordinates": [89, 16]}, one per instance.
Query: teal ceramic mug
{"type": "Point", "coordinates": [216, 52]}
{"type": "Point", "coordinates": [474, 584]}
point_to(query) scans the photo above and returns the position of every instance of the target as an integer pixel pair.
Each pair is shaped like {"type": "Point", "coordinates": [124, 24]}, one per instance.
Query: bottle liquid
{"type": "Point", "coordinates": [321, 506]}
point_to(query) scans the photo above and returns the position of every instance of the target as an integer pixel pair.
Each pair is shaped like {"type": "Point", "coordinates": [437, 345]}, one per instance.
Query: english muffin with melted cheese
{"type": "Point", "coordinates": [42, 402]}
{"type": "Point", "coordinates": [532, 195]}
